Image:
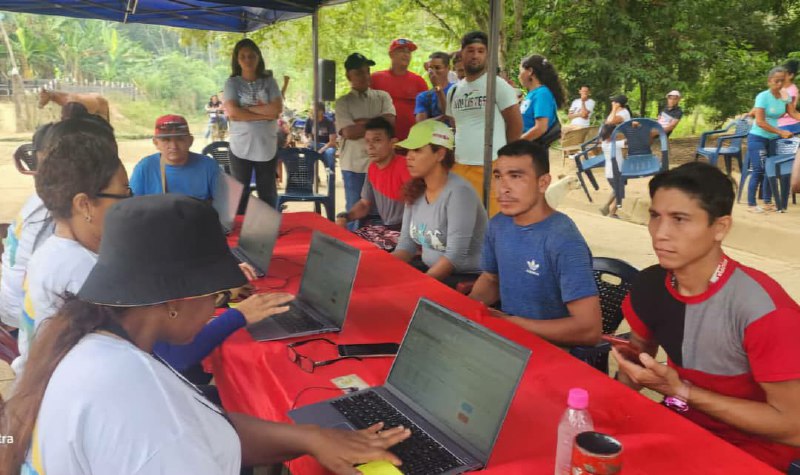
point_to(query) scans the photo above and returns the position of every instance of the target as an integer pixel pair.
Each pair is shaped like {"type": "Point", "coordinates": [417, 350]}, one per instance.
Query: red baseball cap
{"type": "Point", "coordinates": [171, 125]}
{"type": "Point", "coordinates": [402, 43]}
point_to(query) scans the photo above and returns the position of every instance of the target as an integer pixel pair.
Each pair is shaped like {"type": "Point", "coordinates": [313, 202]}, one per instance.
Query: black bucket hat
{"type": "Point", "coordinates": [160, 248]}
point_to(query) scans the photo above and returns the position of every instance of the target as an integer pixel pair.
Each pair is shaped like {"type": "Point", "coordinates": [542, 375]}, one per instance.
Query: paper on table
{"type": "Point", "coordinates": [379, 467]}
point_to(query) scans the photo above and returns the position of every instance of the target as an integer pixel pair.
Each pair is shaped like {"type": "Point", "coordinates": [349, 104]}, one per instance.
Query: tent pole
{"type": "Point", "coordinates": [316, 83]}
{"type": "Point", "coordinates": [495, 19]}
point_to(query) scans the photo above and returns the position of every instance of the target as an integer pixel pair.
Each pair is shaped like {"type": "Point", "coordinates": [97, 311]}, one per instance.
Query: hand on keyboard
{"type": "Point", "coordinates": [260, 306]}
{"type": "Point", "coordinates": [338, 450]}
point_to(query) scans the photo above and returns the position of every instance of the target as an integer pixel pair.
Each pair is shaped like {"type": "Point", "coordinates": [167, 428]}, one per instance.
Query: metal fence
{"type": "Point", "coordinates": [101, 87]}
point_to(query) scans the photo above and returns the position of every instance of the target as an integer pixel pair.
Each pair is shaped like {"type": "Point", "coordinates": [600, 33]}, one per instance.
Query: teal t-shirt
{"type": "Point", "coordinates": [773, 110]}
{"type": "Point", "coordinates": [539, 102]}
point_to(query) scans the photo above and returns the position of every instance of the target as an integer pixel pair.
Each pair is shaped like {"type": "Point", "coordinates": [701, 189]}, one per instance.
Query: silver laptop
{"type": "Point", "coordinates": [451, 384]}
{"type": "Point", "coordinates": [227, 194]}
{"type": "Point", "coordinates": [321, 304]}
{"type": "Point", "coordinates": [259, 234]}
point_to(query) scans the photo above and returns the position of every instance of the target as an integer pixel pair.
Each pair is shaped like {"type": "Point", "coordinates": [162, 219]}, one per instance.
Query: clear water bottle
{"type": "Point", "coordinates": [575, 420]}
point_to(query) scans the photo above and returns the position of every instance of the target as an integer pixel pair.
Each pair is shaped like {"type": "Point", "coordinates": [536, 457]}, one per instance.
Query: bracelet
{"type": "Point", "coordinates": [680, 401]}
{"type": "Point", "coordinates": [344, 215]}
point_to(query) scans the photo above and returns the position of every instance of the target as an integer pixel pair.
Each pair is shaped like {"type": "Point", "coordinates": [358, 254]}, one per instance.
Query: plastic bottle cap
{"type": "Point", "coordinates": [578, 398]}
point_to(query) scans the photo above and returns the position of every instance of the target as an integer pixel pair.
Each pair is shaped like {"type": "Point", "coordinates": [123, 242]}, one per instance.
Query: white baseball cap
{"type": "Point", "coordinates": [674, 92]}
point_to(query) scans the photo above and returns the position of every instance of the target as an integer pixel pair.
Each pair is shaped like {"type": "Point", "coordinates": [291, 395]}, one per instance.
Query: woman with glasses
{"type": "Point", "coordinates": [95, 399]}
{"type": "Point", "coordinates": [253, 104]}
{"type": "Point", "coordinates": [80, 179]}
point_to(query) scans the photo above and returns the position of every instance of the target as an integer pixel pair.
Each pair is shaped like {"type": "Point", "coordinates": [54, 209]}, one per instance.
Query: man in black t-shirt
{"type": "Point", "coordinates": [670, 114]}
{"type": "Point", "coordinates": [326, 135]}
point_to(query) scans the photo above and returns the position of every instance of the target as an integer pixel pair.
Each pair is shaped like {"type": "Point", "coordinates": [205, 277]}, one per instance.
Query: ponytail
{"type": "Point", "coordinates": [53, 340]}
{"type": "Point", "coordinates": [546, 73]}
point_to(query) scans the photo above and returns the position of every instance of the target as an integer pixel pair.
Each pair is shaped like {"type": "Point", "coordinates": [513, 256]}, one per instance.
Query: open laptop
{"type": "Point", "coordinates": [451, 384]}
{"type": "Point", "coordinates": [227, 194]}
{"type": "Point", "coordinates": [320, 305]}
{"type": "Point", "coordinates": [259, 234]}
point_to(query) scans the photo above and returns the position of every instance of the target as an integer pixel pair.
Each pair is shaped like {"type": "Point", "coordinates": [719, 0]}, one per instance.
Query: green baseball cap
{"type": "Point", "coordinates": [429, 131]}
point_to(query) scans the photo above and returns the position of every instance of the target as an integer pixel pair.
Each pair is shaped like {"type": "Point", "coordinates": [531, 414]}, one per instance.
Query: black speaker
{"type": "Point", "coordinates": [327, 80]}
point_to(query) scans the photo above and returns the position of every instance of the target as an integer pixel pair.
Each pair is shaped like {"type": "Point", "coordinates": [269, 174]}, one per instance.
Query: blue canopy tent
{"type": "Point", "coordinates": [218, 15]}
{"type": "Point", "coordinates": [242, 16]}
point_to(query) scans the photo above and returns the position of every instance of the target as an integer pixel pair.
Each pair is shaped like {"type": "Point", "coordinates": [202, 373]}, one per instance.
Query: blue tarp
{"type": "Point", "coordinates": [217, 15]}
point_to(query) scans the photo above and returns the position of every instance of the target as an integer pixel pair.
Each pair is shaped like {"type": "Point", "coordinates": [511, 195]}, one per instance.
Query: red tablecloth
{"type": "Point", "coordinates": [258, 379]}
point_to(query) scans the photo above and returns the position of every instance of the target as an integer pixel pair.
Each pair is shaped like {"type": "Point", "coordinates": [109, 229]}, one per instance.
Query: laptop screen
{"type": "Point", "coordinates": [227, 194]}
{"type": "Point", "coordinates": [259, 232]}
{"type": "Point", "coordinates": [329, 275]}
{"type": "Point", "coordinates": [461, 373]}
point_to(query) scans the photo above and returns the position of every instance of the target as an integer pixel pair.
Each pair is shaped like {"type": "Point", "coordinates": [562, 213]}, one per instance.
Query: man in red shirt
{"type": "Point", "coordinates": [401, 84]}
{"type": "Point", "coordinates": [729, 331]}
{"type": "Point", "coordinates": [383, 190]}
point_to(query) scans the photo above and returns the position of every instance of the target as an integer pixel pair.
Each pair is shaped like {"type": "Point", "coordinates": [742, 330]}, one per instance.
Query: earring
{"type": "Point", "coordinates": [88, 219]}
{"type": "Point", "coordinates": [173, 314]}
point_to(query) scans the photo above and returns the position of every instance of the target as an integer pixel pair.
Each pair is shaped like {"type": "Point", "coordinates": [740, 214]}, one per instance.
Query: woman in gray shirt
{"type": "Point", "coordinates": [443, 214]}
{"type": "Point", "coordinates": [253, 104]}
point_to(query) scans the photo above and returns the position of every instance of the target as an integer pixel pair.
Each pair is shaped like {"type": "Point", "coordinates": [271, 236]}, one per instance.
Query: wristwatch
{"type": "Point", "coordinates": [680, 401]}
{"type": "Point", "coordinates": [343, 214]}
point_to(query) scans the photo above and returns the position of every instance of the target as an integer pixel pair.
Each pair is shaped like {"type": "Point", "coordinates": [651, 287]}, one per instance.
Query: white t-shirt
{"type": "Point", "coordinates": [111, 408]}
{"type": "Point", "coordinates": [625, 114]}
{"type": "Point", "coordinates": [32, 226]}
{"type": "Point", "coordinates": [60, 265]}
{"type": "Point", "coordinates": [466, 103]}
{"type": "Point", "coordinates": [575, 107]}
{"type": "Point", "coordinates": [606, 146]}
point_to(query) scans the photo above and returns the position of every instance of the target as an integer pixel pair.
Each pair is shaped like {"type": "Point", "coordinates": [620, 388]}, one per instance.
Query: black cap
{"type": "Point", "coordinates": [160, 248]}
{"type": "Point", "coordinates": [621, 99]}
{"type": "Point", "coordinates": [357, 60]}
{"type": "Point", "coordinates": [474, 37]}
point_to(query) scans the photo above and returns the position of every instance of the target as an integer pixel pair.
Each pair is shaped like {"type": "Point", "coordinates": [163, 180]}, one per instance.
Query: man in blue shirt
{"type": "Point", "coordinates": [186, 172]}
{"type": "Point", "coordinates": [535, 261]}
{"type": "Point", "coordinates": [430, 104]}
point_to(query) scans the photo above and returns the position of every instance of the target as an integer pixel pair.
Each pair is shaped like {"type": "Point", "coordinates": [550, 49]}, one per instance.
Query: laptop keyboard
{"type": "Point", "coordinates": [244, 259]}
{"type": "Point", "coordinates": [295, 320]}
{"type": "Point", "coordinates": [421, 455]}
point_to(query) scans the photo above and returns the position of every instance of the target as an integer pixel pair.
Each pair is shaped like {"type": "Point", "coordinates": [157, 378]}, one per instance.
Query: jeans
{"type": "Point", "coordinates": [330, 157]}
{"type": "Point", "coordinates": [353, 183]}
{"type": "Point", "coordinates": [758, 149]}
{"type": "Point", "coordinates": [267, 189]}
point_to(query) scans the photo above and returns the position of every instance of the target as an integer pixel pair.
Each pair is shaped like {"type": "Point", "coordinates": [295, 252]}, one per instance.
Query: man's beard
{"type": "Point", "coordinates": [474, 69]}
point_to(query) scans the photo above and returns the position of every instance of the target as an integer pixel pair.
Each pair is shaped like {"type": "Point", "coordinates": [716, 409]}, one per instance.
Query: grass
{"type": "Point", "coordinates": [134, 119]}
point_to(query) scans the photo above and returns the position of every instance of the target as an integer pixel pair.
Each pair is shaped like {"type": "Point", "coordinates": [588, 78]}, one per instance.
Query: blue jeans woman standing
{"type": "Point", "coordinates": [770, 105]}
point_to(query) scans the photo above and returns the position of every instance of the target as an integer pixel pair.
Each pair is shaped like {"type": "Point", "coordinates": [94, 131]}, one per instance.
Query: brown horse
{"type": "Point", "coordinates": [95, 103]}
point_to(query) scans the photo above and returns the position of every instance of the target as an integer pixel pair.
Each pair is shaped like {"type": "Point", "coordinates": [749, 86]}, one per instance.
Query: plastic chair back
{"type": "Point", "coordinates": [300, 170]}
{"type": "Point", "coordinates": [641, 161]}
{"type": "Point", "coordinates": [25, 159]}
{"type": "Point", "coordinates": [219, 151]}
{"type": "Point", "coordinates": [614, 278]}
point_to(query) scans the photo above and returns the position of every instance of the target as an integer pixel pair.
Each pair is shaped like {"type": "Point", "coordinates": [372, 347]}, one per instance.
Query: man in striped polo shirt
{"type": "Point", "coordinates": [731, 333]}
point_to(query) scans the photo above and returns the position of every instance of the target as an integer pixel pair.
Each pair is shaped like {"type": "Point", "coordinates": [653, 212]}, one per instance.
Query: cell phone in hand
{"type": "Point", "coordinates": [628, 350]}
{"type": "Point", "coordinates": [369, 350]}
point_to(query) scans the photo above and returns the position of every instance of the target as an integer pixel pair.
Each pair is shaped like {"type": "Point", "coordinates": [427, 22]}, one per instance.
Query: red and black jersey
{"type": "Point", "coordinates": [744, 330]}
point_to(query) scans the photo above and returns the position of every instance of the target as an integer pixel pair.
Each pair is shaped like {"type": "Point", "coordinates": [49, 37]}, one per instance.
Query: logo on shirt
{"type": "Point", "coordinates": [533, 268]}
{"type": "Point", "coordinates": [471, 101]}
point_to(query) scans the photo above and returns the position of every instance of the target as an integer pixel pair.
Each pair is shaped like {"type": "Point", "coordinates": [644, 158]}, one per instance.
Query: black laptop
{"type": "Point", "coordinates": [451, 384]}
{"type": "Point", "coordinates": [321, 304]}
{"type": "Point", "coordinates": [259, 234]}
